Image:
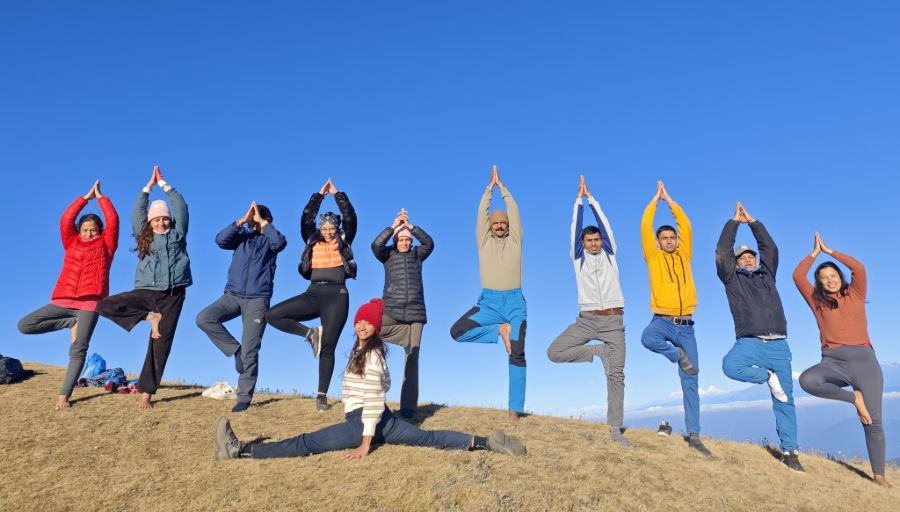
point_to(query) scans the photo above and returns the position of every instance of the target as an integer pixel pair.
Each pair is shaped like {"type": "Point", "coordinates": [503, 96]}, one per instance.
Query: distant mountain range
{"type": "Point", "coordinates": [746, 415]}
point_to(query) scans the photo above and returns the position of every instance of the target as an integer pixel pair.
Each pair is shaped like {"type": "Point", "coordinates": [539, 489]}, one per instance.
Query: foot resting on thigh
{"type": "Point", "coordinates": [73, 331]}
{"type": "Point", "coordinates": [775, 387]}
{"type": "Point", "coordinates": [684, 362]}
{"type": "Point", "coordinates": [153, 319]}
{"type": "Point", "coordinates": [145, 404]}
{"type": "Point", "coordinates": [880, 480]}
{"type": "Point", "coordinates": [62, 403]}
{"type": "Point", "coordinates": [505, 330]}
{"type": "Point", "coordinates": [861, 410]}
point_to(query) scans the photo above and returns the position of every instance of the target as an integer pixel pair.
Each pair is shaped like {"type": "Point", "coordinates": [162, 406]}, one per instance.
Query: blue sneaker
{"type": "Point", "coordinates": [240, 407]}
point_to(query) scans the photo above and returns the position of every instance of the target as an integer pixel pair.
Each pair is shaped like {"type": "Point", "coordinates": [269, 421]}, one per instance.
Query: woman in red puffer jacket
{"type": "Point", "coordinates": [83, 281]}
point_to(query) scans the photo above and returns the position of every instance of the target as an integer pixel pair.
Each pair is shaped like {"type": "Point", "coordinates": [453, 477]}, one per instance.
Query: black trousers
{"type": "Point", "coordinates": [130, 308]}
{"type": "Point", "coordinates": [328, 301]}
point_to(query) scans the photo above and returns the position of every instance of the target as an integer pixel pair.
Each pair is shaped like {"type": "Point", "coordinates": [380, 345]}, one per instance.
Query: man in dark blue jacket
{"type": "Point", "coordinates": [761, 353]}
{"type": "Point", "coordinates": [256, 244]}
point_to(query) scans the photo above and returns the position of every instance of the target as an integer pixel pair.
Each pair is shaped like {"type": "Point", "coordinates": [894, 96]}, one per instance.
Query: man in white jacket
{"type": "Point", "coordinates": [593, 253]}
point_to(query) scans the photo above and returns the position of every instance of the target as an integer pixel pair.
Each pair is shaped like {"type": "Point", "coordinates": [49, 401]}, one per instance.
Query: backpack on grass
{"type": "Point", "coordinates": [11, 370]}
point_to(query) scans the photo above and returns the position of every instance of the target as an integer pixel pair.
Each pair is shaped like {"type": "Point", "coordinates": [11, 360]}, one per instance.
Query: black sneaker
{"type": "Point", "coordinates": [499, 442]}
{"type": "Point", "coordinates": [695, 443]}
{"type": "Point", "coordinates": [791, 459]}
{"type": "Point", "coordinates": [238, 363]}
{"type": "Point", "coordinates": [664, 429]}
{"type": "Point", "coordinates": [314, 337]}
{"type": "Point", "coordinates": [685, 363]}
{"type": "Point", "coordinates": [240, 407]}
{"type": "Point", "coordinates": [228, 446]}
{"type": "Point", "coordinates": [322, 403]}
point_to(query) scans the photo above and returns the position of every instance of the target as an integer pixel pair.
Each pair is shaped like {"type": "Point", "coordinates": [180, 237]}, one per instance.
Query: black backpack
{"type": "Point", "coordinates": [11, 370]}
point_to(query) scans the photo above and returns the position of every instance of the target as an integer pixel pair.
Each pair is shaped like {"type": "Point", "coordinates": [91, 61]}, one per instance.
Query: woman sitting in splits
{"type": "Point", "coordinates": [368, 420]}
{"type": "Point", "coordinates": [848, 358]}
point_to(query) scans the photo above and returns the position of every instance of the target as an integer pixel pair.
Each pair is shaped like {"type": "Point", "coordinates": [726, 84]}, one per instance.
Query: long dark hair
{"type": "Point", "coordinates": [358, 356]}
{"type": "Point", "coordinates": [90, 217]}
{"type": "Point", "coordinates": [820, 295]}
{"type": "Point", "coordinates": [144, 239]}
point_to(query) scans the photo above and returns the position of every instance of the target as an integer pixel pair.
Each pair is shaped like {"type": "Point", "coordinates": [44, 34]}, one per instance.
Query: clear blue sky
{"type": "Point", "coordinates": [791, 108]}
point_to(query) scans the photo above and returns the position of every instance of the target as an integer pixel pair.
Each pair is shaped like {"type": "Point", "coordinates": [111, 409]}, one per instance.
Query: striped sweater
{"type": "Point", "coordinates": [367, 391]}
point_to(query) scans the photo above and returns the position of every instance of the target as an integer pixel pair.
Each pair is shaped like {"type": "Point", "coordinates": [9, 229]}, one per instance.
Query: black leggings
{"type": "Point", "coordinates": [328, 301]}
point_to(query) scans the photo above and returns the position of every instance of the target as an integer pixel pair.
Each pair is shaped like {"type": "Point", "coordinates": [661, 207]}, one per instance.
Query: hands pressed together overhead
{"type": "Point", "coordinates": [328, 188]}
{"type": "Point", "coordinates": [495, 178]}
{"type": "Point", "coordinates": [157, 179]}
{"type": "Point", "coordinates": [582, 188]}
{"type": "Point", "coordinates": [402, 219]}
{"type": "Point", "coordinates": [94, 192]}
{"type": "Point", "coordinates": [252, 216]}
{"type": "Point", "coordinates": [819, 246]}
{"type": "Point", "coordinates": [741, 214]}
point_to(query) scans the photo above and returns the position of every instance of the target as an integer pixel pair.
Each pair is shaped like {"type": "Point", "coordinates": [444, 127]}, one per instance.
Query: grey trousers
{"type": "Point", "coordinates": [572, 347]}
{"type": "Point", "coordinates": [857, 367]}
{"type": "Point", "coordinates": [408, 336]}
{"type": "Point", "coordinates": [54, 318]}
{"type": "Point", "coordinates": [253, 315]}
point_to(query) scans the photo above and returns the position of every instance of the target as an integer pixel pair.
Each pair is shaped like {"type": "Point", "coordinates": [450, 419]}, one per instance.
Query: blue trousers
{"type": "Point", "coordinates": [662, 336]}
{"type": "Point", "coordinates": [349, 434]}
{"type": "Point", "coordinates": [481, 324]}
{"type": "Point", "coordinates": [750, 360]}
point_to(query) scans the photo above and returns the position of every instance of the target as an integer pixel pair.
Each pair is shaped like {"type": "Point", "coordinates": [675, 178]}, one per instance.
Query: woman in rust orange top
{"type": "Point", "coordinates": [327, 262]}
{"type": "Point", "coordinates": [848, 358]}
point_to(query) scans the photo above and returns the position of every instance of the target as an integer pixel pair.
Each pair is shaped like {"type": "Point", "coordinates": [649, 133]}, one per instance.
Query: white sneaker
{"type": "Point", "coordinates": [208, 392]}
{"type": "Point", "coordinates": [221, 391]}
{"type": "Point", "coordinates": [775, 387]}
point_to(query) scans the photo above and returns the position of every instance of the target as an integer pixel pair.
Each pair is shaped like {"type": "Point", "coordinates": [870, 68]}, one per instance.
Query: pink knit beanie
{"type": "Point", "coordinates": [158, 208]}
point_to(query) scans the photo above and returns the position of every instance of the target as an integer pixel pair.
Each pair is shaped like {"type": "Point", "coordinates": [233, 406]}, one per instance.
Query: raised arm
{"type": "Point", "coordinates": [67, 230]}
{"type": "Point", "coordinates": [858, 276]}
{"type": "Point", "coordinates": [308, 217]}
{"type": "Point", "coordinates": [482, 228]}
{"type": "Point", "coordinates": [648, 239]}
{"type": "Point", "coordinates": [277, 241]}
{"type": "Point", "coordinates": [576, 247]}
{"type": "Point", "coordinates": [379, 245]}
{"type": "Point", "coordinates": [139, 213]}
{"type": "Point", "coordinates": [512, 210]}
{"type": "Point", "coordinates": [230, 237]}
{"type": "Point", "coordinates": [348, 223]}
{"type": "Point", "coordinates": [180, 216]}
{"type": "Point", "coordinates": [426, 246]}
{"type": "Point", "coordinates": [768, 251]}
{"type": "Point", "coordinates": [606, 234]}
{"type": "Point", "coordinates": [111, 222]}
{"type": "Point", "coordinates": [725, 266]}
{"type": "Point", "coordinates": [685, 232]}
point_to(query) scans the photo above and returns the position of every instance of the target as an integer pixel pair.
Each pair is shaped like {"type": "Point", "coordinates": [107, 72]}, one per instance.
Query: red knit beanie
{"type": "Point", "coordinates": [371, 312]}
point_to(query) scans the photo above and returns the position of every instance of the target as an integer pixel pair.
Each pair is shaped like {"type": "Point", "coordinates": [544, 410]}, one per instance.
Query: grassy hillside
{"type": "Point", "coordinates": [103, 454]}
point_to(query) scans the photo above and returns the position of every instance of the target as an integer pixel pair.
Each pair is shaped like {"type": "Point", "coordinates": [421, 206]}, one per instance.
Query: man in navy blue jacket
{"type": "Point", "coordinates": [256, 244]}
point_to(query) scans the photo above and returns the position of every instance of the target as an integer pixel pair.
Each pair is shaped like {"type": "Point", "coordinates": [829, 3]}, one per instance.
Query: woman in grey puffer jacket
{"type": "Point", "coordinates": [404, 298]}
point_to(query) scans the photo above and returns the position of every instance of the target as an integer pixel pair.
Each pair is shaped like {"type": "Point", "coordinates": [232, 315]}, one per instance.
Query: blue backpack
{"type": "Point", "coordinates": [95, 366]}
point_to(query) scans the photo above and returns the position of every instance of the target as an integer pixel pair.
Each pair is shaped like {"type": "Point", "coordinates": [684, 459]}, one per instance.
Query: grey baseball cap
{"type": "Point", "coordinates": [742, 249]}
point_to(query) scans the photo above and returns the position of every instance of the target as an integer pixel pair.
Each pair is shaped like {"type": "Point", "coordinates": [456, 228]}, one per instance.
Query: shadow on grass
{"type": "Point", "coordinates": [26, 374]}
{"type": "Point", "coordinates": [266, 402]}
{"type": "Point", "coordinates": [179, 397]}
{"type": "Point", "coordinates": [89, 397]}
{"type": "Point", "coordinates": [855, 470]}
{"type": "Point", "coordinates": [180, 387]}
{"type": "Point", "coordinates": [421, 414]}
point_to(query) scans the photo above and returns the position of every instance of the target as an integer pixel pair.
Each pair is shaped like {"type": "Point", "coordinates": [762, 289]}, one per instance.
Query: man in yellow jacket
{"type": "Point", "coordinates": [673, 299]}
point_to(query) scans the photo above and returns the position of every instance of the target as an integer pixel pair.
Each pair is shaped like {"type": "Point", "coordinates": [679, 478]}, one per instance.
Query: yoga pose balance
{"type": "Point", "coordinates": [83, 281]}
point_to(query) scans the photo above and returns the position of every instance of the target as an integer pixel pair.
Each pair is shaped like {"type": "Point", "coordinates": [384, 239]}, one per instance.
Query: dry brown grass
{"type": "Point", "coordinates": [102, 454]}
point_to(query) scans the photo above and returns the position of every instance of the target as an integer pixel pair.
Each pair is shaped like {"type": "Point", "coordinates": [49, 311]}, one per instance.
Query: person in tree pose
{"type": "Point", "coordinates": [327, 262]}
{"type": "Point", "coordinates": [256, 244]}
{"type": "Point", "coordinates": [162, 276]}
{"type": "Point", "coordinates": [83, 281]}
{"type": "Point", "coordinates": [673, 299]}
{"type": "Point", "coordinates": [404, 298]}
{"type": "Point", "coordinates": [761, 352]}
{"type": "Point", "coordinates": [593, 251]}
{"type": "Point", "coordinates": [848, 358]}
{"type": "Point", "coordinates": [367, 419]}
{"type": "Point", "coordinates": [500, 310]}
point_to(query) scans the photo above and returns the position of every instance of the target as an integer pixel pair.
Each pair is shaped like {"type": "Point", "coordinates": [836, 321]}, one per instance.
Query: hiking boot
{"type": "Point", "coordinates": [664, 429]}
{"type": "Point", "coordinates": [240, 407]}
{"type": "Point", "coordinates": [616, 435]}
{"type": "Point", "coordinates": [499, 442]}
{"type": "Point", "coordinates": [314, 337]}
{"type": "Point", "coordinates": [685, 363]}
{"type": "Point", "coordinates": [695, 443]}
{"type": "Point", "coordinates": [238, 364]}
{"type": "Point", "coordinates": [777, 391]}
{"type": "Point", "coordinates": [791, 459]}
{"type": "Point", "coordinates": [322, 403]}
{"type": "Point", "coordinates": [228, 446]}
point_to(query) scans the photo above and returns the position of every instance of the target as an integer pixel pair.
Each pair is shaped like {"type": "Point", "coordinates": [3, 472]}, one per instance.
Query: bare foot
{"type": "Point", "coordinates": [62, 403]}
{"type": "Point", "coordinates": [880, 480]}
{"type": "Point", "coordinates": [73, 331]}
{"type": "Point", "coordinates": [505, 329]}
{"type": "Point", "coordinates": [861, 410]}
{"type": "Point", "coordinates": [145, 404]}
{"type": "Point", "coordinates": [153, 319]}
{"type": "Point", "coordinates": [513, 415]}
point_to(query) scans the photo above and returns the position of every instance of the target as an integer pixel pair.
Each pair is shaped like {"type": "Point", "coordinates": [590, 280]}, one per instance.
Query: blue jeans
{"type": "Point", "coordinates": [349, 434]}
{"type": "Point", "coordinates": [750, 361]}
{"type": "Point", "coordinates": [662, 336]}
{"type": "Point", "coordinates": [481, 324]}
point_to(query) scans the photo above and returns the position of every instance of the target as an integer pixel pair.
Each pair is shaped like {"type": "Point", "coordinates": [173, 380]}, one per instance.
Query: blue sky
{"type": "Point", "coordinates": [790, 108]}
